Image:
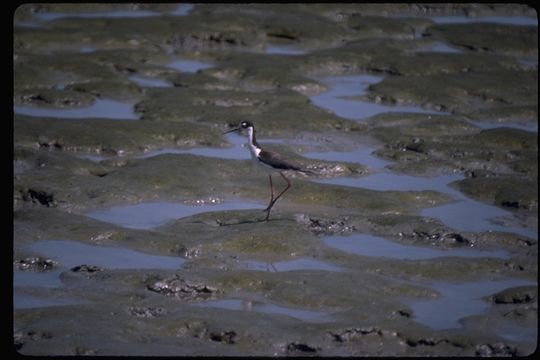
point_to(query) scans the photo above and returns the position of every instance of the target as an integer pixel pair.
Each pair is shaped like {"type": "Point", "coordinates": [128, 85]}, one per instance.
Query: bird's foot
{"type": "Point", "coordinates": [267, 214]}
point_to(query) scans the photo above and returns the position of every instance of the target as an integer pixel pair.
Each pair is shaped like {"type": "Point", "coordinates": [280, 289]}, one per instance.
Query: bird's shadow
{"type": "Point", "coordinates": [242, 222]}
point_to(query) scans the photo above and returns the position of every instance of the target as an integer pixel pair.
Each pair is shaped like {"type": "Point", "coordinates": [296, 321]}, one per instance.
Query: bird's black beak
{"type": "Point", "coordinates": [235, 129]}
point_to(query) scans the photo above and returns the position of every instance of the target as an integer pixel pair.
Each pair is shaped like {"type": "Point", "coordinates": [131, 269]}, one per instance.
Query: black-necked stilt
{"type": "Point", "coordinates": [268, 160]}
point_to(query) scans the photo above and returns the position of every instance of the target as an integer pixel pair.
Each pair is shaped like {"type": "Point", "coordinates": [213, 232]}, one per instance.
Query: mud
{"type": "Point", "coordinates": [222, 281]}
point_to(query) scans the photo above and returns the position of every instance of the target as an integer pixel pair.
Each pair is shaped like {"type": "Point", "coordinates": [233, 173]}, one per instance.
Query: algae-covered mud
{"type": "Point", "coordinates": [139, 226]}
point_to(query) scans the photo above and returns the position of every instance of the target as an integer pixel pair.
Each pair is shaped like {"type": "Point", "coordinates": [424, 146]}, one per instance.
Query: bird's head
{"type": "Point", "coordinates": [242, 126]}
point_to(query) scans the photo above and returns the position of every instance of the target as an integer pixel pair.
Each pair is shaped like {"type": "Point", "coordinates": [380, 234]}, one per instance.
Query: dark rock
{"type": "Point", "coordinates": [329, 227]}
{"type": "Point", "coordinates": [53, 144]}
{"type": "Point", "coordinates": [479, 37]}
{"type": "Point", "coordinates": [39, 196]}
{"type": "Point", "coordinates": [18, 340]}
{"type": "Point", "coordinates": [146, 312]}
{"type": "Point", "coordinates": [89, 269]}
{"type": "Point", "coordinates": [426, 342]}
{"type": "Point", "coordinates": [404, 313]}
{"type": "Point", "coordinates": [518, 197]}
{"type": "Point", "coordinates": [299, 347]}
{"type": "Point", "coordinates": [34, 336]}
{"type": "Point", "coordinates": [82, 351]}
{"type": "Point", "coordinates": [416, 145]}
{"type": "Point", "coordinates": [180, 288]}
{"type": "Point", "coordinates": [497, 349]}
{"type": "Point", "coordinates": [480, 173]}
{"type": "Point", "coordinates": [35, 264]}
{"type": "Point", "coordinates": [227, 337]}
{"type": "Point", "coordinates": [441, 236]}
{"type": "Point", "coordinates": [211, 40]}
{"type": "Point", "coordinates": [194, 328]}
{"type": "Point", "coordinates": [351, 334]}
{"type": "Point", "coordinates": [516, 295]}
{"type": "Point", "coordinates": [54, 97]}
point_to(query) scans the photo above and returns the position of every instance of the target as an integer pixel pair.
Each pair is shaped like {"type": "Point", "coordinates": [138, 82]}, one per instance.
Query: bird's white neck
{"type": "Point", "coordinates": [254, 147]}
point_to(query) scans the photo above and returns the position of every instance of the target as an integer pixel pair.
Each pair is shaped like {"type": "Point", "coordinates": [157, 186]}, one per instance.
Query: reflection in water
{"type": "Point", "coordinates": [471, 215]}
{"type": "Point", "coordinates": [292, 265]}
{"type": "Point", "coordinates": [48, 279]}
{"type": "Point", "coordinates": [532, 127]}
{"type": "Point", "coordinates": [234, 304]}
{"type": "Point", "coordinates": [363, 156]}
{"type": "Point", "coordinates": [458, 301]}
{"type": "Point", "coordinates": [440, 47]}
{"type": "Point", "coordinates": [508, 20]}
{"type": "Point", "coordinates": [102, 108]}
{"type": "Point", "coordinates": [189, 66]}
{"type": "Point", "coordinates": [370, 245]}
{"type": "Point", "coordinates": [149, 82]}
{"type": "Point", "coordinates": [284, 50]}
{"type": "Point", "coordinates": [151, 215]}
{"type": "Point", "coordinates": [181, 10]}
{"type": "Point", "coordinates": [237, 152]}
{"type": "Point", "coordinates": [464, 214]}
{"type": "Point", "coordinates": [386, 181]}
{"type": "Point", "coordinates": [342, 87]}
{"type": "Point", "coordinates": [23, 301]}
{"type": "Point", "coordinates": [71, 253]}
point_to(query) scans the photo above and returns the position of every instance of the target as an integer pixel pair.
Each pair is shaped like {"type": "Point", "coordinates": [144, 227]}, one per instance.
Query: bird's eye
{"type": "Point", "coordinates": [243, 124]}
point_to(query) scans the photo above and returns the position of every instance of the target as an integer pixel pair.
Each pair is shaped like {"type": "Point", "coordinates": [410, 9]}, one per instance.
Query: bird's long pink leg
{"type": "Point", "coordinates": [273, 201]}
{"type": "Point", "coordinates": [271, 198]}
{"type": "Point", "coordinates": [271, 189]}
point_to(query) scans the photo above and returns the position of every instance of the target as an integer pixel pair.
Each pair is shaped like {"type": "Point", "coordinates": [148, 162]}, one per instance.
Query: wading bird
{"type": "Point", "coordinates": [269, 161]}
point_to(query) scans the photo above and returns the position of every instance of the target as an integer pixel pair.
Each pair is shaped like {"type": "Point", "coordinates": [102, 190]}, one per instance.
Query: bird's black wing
{"type": "Point", "coordinates": [276, 161]}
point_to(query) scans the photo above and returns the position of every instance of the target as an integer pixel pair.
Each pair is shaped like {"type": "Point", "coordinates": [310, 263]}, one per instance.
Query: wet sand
{"type": "Point", "coordinates": [138, 224]}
